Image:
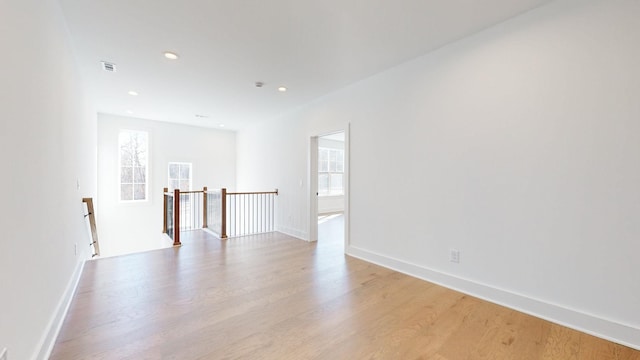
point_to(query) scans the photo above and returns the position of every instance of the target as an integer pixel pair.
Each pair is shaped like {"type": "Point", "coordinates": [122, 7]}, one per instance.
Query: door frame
{"type": "Point", "coordinates": [313, 183]}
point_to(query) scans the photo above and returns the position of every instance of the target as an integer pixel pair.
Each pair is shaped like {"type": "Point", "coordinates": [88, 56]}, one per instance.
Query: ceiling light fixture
{"type": "Point", "coordinates": [221, 125]}
{"type": "Point", "coordinates": [171, 55]}
{"type": "Point", "coordinates": [282, 89]}
{"type": "Point", "coordinates": [133, 93]}
{"type": "Point", "coordinates": [129, 112]}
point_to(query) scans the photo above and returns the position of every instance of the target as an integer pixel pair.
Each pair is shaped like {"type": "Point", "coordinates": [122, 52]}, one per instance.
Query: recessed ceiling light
{"type": "Point", "coordinates": [133, 93]}
{"type": "Point", "coordinates": [171, 55]}
{"type": "Point", "coordinates": [129, 112]}
{"type": "Point", "coordinates": [282, 89]}
{"type": "Point", "coordinates": [221, 125]}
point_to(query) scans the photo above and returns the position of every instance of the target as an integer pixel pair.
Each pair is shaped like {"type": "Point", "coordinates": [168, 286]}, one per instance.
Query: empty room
{"type": "Point", "coordinates": [320, 179]}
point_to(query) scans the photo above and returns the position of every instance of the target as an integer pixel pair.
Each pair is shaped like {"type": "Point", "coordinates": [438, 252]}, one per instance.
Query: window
{"type": "Point", "coordinates": [133, 159]}
{"type": "Point", "coordinates": [330, 171]}
{"type": "Point", "coordinates": [180, 176]}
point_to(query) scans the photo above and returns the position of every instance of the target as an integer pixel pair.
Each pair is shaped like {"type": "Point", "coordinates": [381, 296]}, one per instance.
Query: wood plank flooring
{"type": "Point", "coordinates": [275, 297]}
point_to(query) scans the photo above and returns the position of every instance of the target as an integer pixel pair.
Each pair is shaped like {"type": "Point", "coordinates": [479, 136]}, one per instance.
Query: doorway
{"type": "Point", "coordinates": [329, 188]}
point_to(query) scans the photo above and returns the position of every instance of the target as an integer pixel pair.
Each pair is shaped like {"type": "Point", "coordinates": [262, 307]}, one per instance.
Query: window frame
{"type": "Point", "coordinates": [179, 179]}
{"type": "Point", "coordinates": [331, 169]}
{"type": "Point", "coordinates": [146, 168]}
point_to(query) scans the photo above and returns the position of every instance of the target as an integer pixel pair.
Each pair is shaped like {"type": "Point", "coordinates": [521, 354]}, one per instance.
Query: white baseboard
{"type": "Point", "coordinates": [43, 351]}
{"type": "Point", "coordinates": [302, 235]}
{"type": "Point", "coordinates": [597, 326]}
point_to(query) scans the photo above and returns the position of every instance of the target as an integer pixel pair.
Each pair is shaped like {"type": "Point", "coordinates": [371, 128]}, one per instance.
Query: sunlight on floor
{"type": "Point", "coordinates": [331, 228]}
{"type": "Point", "coordinates": [135, 244]}
{"type": "Point", "coordinates": [325, 218]}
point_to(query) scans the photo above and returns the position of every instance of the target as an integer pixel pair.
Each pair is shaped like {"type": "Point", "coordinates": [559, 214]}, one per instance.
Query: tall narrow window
{"type": "Point", "coordinates": [330, 171]}
{"type": "Point", "coordinates": [180, 176]}
{"type": "Point", "coordinates": [133, 159]}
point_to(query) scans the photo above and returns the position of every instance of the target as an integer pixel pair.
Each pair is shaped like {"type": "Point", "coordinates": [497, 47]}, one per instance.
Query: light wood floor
{"type": "Point", "coordinates": [274, 297]}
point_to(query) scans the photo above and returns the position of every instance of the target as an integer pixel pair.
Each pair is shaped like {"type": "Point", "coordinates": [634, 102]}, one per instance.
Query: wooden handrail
{"type": "Point", "coordinates": [254, 192]}
{"type": "Point", "coordinates": [224, 201]}
{"type": "Point", "coordinates": [92, 225]}
{"type": "Point", "coordinates": [190, 192]}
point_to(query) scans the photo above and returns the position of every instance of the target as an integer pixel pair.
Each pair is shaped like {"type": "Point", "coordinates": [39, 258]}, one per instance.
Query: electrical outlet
{"type": "Point", "coordinates": [454, 256]}
{"type": "Point", "coordinates": [4, 354]}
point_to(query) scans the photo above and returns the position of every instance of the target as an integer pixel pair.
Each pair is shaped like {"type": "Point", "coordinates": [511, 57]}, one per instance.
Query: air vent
{"type": "Point", "coordinates": [107, 66]}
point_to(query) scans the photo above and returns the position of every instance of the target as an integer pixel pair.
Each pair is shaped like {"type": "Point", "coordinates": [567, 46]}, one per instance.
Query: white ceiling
{"type": "Point", "coordinates": [312, 47]}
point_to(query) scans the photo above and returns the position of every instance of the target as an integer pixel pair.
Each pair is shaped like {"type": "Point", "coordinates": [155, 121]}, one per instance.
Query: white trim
{"type": "Point", "coordinates": [313, 189]}
{"type": "Point", "coordinates": [347, 187]}
{"type": "Point", "coordinates": [48, 340]}
{"type": "Point", "coordinates": [298, 234]}
{"type": "Point", "coordinates": [312, 167]}
{"type": "Point", "coordinates": [591, 324]}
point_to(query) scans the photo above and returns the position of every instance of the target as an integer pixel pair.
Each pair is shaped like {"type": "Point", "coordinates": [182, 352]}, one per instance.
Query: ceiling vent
{"type": "Point", "coordinates": [107, 66]}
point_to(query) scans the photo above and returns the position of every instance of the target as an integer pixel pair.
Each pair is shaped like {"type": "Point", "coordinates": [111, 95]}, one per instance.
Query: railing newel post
{"type": "Point", "coordinates": [164, 210]}
{"type": "Point", "coordinates": [241, 213]}
{"type": "Point", "coordinates": [176, 216]}
{"type": "Point", "coordinates": [223, 225]}
{"type": "Point", "coordinates": [204, 207]}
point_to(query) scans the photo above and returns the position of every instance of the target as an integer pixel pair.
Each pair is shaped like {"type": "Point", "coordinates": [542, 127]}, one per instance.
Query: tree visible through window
{"type": "Point", "coordinates": [330, 171]}
{"type": "Point", "coordinates": [180, 176]}
{"type": "Point", "coordinates": [133, 158]}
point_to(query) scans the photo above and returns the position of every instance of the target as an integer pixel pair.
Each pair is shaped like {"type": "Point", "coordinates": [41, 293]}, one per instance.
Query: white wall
{"type": "Point", "coordinates": [518, 146]}
{"type": "Point", "coordinates": [276, 156]}
{"type": "Point", "coordinates": [48, 146]}
{"type": "Point", "coordinates": [131, 227]}
{"type": "Point", "coordinates": [330, 204]}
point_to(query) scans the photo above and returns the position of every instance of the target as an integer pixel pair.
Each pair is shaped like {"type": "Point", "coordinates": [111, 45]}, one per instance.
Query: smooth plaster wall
{"type": "Point", "coordinates": [518, 146]}
{"type": "Point", "coordinates": [131, 227]}
{"type": "Point", "coordinates": [48, 147]}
